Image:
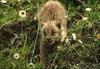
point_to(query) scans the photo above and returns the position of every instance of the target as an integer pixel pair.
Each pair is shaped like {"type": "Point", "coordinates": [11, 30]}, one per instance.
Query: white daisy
{"type": "Point", "coordinates": [3, 1]}
{"type": "Point", "coordinates": [16, 55]}
{"type": "Point", "coordinates": [85, 18]}
{"type": "Point", "coordinates": [22, 13]}
{"type": "Point", "coordinates": [74, 36]}
{"type": "Point", "coordinates": [80, 41]}
{"type": "Point", "coordinates": [18, 0]}
{"type": "Point", "coordinates": [88, 9]}
{"type": "Point", "coordinates": [32, 65]}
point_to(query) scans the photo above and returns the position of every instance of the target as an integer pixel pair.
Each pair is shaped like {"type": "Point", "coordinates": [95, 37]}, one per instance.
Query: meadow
{"type": "Point", "coordinates": [20, 37]}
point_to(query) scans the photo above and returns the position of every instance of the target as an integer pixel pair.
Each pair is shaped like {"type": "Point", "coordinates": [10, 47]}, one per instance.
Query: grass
{"type": "Point", "coordinates": [24, 41]}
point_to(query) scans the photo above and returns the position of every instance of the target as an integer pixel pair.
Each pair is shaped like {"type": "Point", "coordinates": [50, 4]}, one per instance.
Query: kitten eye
{"type": "Point", "coordinates": [58, 25]}
{"type": "Point", "coordinates": [44, 32]}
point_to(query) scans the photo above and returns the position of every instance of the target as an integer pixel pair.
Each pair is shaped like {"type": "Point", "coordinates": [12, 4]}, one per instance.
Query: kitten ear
{"type": "Point", "coordinates": [58, 24]}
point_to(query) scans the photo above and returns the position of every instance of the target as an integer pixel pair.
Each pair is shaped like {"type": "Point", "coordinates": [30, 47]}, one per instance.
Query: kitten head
{"type": "Point", "coordinates": [51, 30]}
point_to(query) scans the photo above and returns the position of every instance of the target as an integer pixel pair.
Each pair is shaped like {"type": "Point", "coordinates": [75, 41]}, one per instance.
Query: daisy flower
{"type": "Point", "coordinates": [85, 18]}
{"type": "Point", "coordinates": [18, 0]}
{"type": "Point", "coordinates": [74, 36]}
{"type": "Point", "coordinates": [88, 9]}
{"type": "Point", "coordinates": [3, 1]}
{"type": "Point", "coordinates": [32, 65]}
{"type": "Point", "coordinates": [80, 41]}
{"type": "Point", "coordinates": [16, 55]}
{"type": "Point", "coordinates": [22, 13]}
